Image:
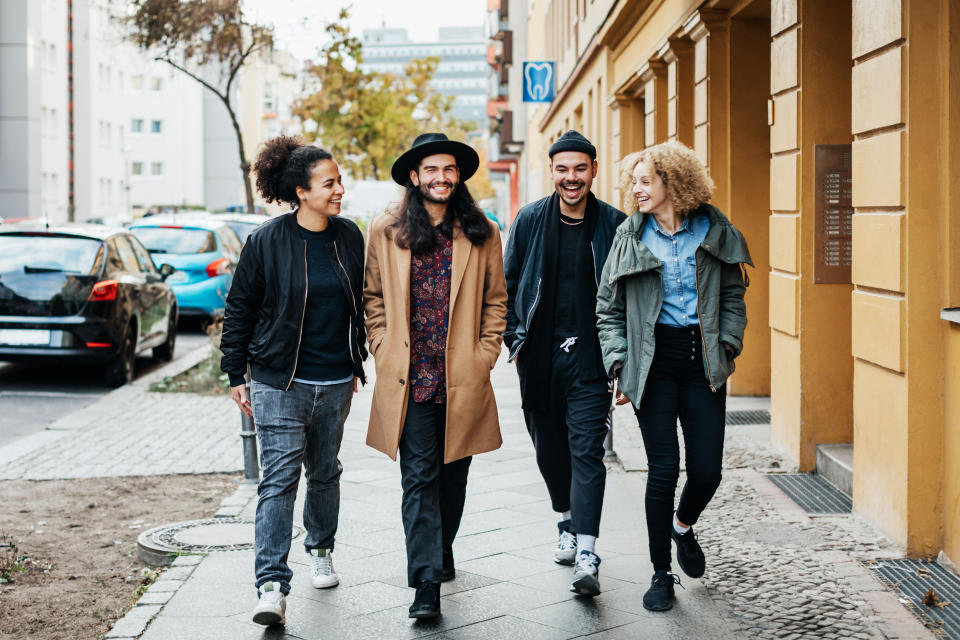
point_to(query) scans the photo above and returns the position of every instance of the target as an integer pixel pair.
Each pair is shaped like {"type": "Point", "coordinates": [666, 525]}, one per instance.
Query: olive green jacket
{"type": "Point", "coordinates": [631, 294]}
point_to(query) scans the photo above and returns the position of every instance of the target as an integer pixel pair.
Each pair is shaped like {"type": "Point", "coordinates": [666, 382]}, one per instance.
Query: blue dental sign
{"type": "Point", "coordinates": [538, 81]}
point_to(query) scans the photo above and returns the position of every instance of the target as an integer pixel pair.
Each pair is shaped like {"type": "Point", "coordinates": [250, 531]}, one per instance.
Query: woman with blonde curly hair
{"type": "Point", "coordinates": [671, 316]}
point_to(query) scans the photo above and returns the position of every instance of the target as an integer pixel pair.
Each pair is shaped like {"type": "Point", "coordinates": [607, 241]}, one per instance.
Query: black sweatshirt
{"type": "Point", "coordinates": [324, 346]}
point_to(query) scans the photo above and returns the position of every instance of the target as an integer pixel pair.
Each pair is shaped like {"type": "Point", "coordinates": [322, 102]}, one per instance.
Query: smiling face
{"type": "Point", "coordinates": [437, 177]}
{"type": "Point", "coordinates": [326, 189]}
{"type": "Point", "coordinates": [650, 190]}
{"type": "Point", "coordinates": [573, 173]}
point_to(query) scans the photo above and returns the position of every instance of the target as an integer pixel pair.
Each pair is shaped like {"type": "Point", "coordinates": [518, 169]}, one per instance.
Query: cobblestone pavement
{"type": "Point", "coordinates": [131, 431]}
{"type": "Point", "coordinates": [773, 571]}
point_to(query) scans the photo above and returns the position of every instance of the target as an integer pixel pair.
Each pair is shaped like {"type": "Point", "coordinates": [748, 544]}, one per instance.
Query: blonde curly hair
{"type": "Point", "coordinates": [687, 181]}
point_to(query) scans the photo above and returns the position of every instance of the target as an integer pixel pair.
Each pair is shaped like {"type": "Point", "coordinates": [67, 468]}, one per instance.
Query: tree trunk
{"type": "Point", "coordinates": [244, 164]}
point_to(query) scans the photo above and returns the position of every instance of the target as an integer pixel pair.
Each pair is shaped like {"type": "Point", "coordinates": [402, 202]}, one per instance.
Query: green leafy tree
{"type": "Point", "coordinates": [207, 40]}
{"type": "Point", "coordinates": [365, 118]}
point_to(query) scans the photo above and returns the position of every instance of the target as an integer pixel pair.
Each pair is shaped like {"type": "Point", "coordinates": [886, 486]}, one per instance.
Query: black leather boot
{"type": "Point", "coordinates": [426, 604]}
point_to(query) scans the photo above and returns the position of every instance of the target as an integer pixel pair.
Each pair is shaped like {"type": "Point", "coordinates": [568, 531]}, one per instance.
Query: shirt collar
{"type": "Point", "coordinates": [684, 226]}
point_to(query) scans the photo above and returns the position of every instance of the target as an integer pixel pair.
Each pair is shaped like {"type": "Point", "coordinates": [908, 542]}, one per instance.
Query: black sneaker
{"type": "Point", "coordinates": [426, 603]}
{"type": "Point", "coordinates": [659, 597]}
{"type": "Point", "coordinates": [689, 554]}
{"type": "Point", "coordinates": [449, 572]}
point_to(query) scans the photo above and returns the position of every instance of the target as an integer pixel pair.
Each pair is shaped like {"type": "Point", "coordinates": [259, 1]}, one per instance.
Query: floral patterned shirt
{"type": "Point", "coordinates": [429, 311]}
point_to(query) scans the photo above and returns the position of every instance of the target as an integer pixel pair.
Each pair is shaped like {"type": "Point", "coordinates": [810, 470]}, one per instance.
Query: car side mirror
{"type": "Point", "coordinates": [167, 270]}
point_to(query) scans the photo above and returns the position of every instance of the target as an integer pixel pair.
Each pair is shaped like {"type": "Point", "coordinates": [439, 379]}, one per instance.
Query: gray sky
{"type": "Point", "coordinates": [299, 23]}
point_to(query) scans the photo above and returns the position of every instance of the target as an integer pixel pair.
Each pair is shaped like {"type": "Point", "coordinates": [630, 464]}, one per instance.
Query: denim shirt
{"type": "Point", "coordinates": [679, 267]}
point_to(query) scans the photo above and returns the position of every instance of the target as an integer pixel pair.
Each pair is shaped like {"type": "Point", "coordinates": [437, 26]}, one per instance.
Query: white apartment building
{"type": "Point", "coordinates": [462, 71]}
{"type": "Point", "coordinates": [138, 128]}
{"type": "Point", "coordinates": [163, 151]}
{"type": "Point", "coordinates": [34, 161]}
{"type": "Point", "coordinates": [142, 135]}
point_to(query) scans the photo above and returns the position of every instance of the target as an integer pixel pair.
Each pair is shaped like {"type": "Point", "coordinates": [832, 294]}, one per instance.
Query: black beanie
{"type": "Point", "coordinates": [573, 141]}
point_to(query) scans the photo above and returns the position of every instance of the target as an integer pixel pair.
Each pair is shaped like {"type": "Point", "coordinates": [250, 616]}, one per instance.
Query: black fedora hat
{"type": "Point", "coordinates": [428, 144]}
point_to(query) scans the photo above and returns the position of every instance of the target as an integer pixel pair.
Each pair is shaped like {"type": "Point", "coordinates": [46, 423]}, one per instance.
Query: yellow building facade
{"type": "Point", "coordinates": [832, 132]}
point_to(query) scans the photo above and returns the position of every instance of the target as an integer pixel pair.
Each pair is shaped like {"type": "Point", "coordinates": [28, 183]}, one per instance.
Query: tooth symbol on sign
{"type": "Point", "coordinates": [539, 76]}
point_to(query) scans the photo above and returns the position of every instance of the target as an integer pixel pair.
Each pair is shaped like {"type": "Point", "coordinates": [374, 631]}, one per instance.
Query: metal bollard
{"type": "Point", "coordinates": [248, 434]}
{"type": "Point", "coordinates": [609, 455]}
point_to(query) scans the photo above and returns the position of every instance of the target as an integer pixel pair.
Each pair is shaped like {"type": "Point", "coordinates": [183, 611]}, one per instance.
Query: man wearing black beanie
{"type": "Point", "coordinates": [556, 251]}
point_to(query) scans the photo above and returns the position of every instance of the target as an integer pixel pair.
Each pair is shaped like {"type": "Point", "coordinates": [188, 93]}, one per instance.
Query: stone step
{"type": "Point", "coordinates": [835, 464]}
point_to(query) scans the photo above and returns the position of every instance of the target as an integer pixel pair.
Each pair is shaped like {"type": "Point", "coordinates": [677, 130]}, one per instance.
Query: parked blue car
{"type": "Point", "coordinates": [204, 252]}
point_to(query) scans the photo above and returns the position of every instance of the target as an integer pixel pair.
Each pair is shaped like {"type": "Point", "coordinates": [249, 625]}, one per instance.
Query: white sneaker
{"type": "Point", "coordinates": [272, 606]}
{"type": "Point", "coordinates": [566, 546]}
{"type": "Point", "coordinates": [586, 575]}
{"type": "Point", "coordinates": [323, 574]}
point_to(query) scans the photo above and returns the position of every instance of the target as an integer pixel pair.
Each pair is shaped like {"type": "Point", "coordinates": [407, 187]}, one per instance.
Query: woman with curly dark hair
{"type": "Point", "coordinates": [671, 316]}
{"type": "Point", "coordinates": [294, 317]}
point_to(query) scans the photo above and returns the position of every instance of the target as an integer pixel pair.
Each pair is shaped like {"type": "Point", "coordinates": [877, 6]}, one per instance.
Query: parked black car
{"type": "Point", "coordinates": [86, 293]}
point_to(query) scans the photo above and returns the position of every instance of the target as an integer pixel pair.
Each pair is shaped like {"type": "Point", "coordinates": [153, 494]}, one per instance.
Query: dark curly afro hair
{"type": "Point", "coordinates": [283, 164]}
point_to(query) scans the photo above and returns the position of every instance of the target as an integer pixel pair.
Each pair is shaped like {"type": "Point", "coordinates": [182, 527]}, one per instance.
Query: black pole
{"type": "Point", "coordinates": [248, 434]}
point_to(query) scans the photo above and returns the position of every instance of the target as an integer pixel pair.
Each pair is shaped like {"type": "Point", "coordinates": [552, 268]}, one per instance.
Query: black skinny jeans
{"type": "Point", "coordinates": [677, 387]}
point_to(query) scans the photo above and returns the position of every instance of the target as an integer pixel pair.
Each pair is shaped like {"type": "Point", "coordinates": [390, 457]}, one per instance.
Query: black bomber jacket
{"type": "Point", "coordinates": [263, 317]}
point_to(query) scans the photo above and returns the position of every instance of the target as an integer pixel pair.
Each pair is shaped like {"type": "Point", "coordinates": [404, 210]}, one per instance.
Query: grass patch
{"type": "Point", "coordinates": [204, 377]}
{"type": "Point", "coordinates": [14, 563]}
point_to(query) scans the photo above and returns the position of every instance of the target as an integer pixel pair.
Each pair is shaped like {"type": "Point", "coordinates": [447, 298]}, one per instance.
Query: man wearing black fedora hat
{"type": "Point", "coordinates": [435, 303]}
{"type": "Point", "coordinates": [557, 249]}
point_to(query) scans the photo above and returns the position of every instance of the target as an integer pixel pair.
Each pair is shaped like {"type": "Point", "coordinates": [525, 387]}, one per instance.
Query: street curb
{"type": "Point", "coordinates": [135, 622]}
{"type": "Point", "coordinates": [899, 621]}
{"type": "Point", "coordinates": [74, 420]}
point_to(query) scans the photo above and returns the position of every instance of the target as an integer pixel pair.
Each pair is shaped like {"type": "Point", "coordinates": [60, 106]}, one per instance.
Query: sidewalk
{"type": "Point", "coordinates": [133, 432]}
{"type": "Point", "coordinates": [773, 571]}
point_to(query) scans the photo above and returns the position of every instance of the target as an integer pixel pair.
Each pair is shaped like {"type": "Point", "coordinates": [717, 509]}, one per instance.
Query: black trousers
{"type": "Point", "coordinates": [677, 387]}
{"type": "Point", "coordinates": [433, 492]}
{"type": "Point", "coordinates": [568, 441]}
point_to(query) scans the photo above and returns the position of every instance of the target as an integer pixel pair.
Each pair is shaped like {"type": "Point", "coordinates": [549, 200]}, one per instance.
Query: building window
{"type": "Point", "coordinates": [156, 168]}
{"type": "Point", "coordinates": [269, 102]}
{"type": "Point", "coordinates": [156, 126]}
{"type": "Point", "coordinates": [136, 168]}
{"type": "Point", "coordinates": [156, 84]}
{"type": "Point", "coordinates": [136, 125]}
{"type": "Point", "coordinates": [136, 83]}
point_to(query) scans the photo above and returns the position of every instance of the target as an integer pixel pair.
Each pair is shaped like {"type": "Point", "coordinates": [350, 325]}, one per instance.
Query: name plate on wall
{"type": "Point", "coordinates": [833, 212]}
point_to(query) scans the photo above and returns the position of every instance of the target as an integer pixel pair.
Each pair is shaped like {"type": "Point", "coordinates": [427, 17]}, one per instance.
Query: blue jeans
{"type": "Point", "coordinates": [301, 426]}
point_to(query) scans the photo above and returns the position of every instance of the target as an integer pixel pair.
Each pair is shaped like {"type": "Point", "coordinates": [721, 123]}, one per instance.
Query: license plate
{"type": "Point", "coordinates": [178, 276]}
{"type": "Point", "coordinates": [23, 337]}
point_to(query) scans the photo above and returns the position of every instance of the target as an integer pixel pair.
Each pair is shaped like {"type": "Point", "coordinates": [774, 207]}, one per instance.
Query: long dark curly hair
{"type": "Point", "coordinates": [283, 164]}
{"type": "Point", "coordinates": [413, 229]}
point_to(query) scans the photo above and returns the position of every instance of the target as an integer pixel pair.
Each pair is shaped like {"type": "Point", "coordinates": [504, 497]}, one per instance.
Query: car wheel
{"type": "Point", "coordinates": [119, 371]}
{"type": "Point", "coordinates": [164, 352]}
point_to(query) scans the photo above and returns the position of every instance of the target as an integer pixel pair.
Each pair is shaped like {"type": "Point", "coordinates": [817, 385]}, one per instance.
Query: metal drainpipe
{"type": "Point", "coordinates": [248, 434]}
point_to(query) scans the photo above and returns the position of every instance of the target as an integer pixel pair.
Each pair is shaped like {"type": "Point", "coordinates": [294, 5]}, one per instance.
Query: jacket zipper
{"type": "Point", "coordinates": [533, 308]}
{"type": "Point", "coordinates": [353, 303]}
{"type": "Point", "coordinates": [703, 342]}
{"type": "Point", "coordinates": [303, 314]}
{"type": "Point", "coordinates": [596, 276]}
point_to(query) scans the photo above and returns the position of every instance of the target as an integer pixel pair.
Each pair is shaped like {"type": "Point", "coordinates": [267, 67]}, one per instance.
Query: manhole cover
{"type": "Point", "coordinates": [156, 546]}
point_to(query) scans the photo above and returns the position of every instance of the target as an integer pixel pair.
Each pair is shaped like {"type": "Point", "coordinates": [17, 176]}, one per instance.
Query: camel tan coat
{"type": "Point", "coordinates": [477, 319]}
